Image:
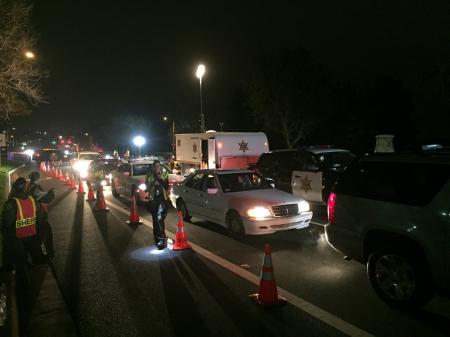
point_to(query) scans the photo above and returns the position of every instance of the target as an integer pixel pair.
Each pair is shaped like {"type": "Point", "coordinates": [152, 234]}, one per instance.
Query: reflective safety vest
{"type": "Point", "coordinates": [25, 217]}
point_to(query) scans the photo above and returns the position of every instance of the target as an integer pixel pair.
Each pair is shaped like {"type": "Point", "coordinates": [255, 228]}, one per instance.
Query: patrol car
{"type": "Point", "coordinates": [309, 173]}
{"type": "Point", "coordinates": [130, 176]}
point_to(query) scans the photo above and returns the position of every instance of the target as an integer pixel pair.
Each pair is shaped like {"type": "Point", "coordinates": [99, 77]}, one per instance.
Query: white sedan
{"type": "Point", "coordinates": [130, 177]}
{"type": "Point", "coordinates": [241, 201]}
{"type": "Point", "coordinates": [82, 161]}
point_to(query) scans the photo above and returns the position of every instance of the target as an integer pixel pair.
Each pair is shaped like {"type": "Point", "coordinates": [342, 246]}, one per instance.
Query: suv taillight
{"type": "Point", "coordinates": [331, 207]}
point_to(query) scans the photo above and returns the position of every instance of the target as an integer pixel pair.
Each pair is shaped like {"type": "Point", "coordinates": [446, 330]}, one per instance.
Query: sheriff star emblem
{"type": "Point", "coordinates": [306, 184]}
{"type": "Point", "coordinates": [194, 148]}
{"type": "Point", "coordinates": [243, 146]}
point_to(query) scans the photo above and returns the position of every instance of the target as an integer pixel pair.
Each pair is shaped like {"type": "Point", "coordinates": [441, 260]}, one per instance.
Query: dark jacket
{"type": "Point", "coordinates": [39, 194]}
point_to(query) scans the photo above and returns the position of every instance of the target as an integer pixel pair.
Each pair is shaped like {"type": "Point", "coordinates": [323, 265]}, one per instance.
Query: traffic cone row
{"type": "Point", "coordinates": [181, 242]}
{"type": "Point", "coordinates": [67, 179]}
{"type": "Point", "coordinates": [61, 176]}
{"type": "Point", "coordinates": [134, 216]}
{"type": "Point", "coordinates": [90, 196]}
{"type": "Point", "coordinates": [73, 183]}
{"type": "Point", "coordinates": [81, 187]}
{"type": "Point", "coordinates": [268, 292]}
{"type": "Point", "coordinates": [101, 204]}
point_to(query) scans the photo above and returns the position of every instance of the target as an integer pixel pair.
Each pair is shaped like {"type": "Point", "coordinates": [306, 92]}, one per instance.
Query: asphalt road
{"type": "Point", "coordinates": [117, 284]}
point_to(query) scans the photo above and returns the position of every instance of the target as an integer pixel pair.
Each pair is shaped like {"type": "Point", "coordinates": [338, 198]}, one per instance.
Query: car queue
{"type": "Point", "coordinates": [390, 212]}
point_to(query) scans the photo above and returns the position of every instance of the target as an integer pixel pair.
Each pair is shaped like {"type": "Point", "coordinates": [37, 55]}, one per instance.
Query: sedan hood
{"type": "Point", "coordinates": [269, 197]}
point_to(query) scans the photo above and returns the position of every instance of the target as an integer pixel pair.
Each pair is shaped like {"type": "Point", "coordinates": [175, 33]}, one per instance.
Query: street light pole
{"type": "Point", "coordinates": [200, 72]}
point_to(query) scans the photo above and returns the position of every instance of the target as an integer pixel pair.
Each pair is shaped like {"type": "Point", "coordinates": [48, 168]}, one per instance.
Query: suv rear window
{"type": "Point", "coordinates": [413, 184]}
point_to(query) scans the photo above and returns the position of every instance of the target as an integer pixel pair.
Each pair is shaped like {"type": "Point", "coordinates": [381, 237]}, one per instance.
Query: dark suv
{"type": "Point", "coordinates": [309, 173]}
{"type": "Point", "coordinates": [392, 212]}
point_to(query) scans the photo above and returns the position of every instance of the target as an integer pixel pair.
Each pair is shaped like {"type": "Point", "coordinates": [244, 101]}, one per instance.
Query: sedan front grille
{"type": "Point", "coordinates": [285, 210]}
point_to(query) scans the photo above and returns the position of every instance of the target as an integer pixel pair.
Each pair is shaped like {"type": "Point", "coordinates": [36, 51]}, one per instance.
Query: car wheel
{"type": "Point", "coordinates": [113, 190]}
{"type": "Point", "coordinates": [235, 226]}
{"type": "Point", "coordinates": [401, 278]}
{"type": "Point", "coordinates": [181, 206]}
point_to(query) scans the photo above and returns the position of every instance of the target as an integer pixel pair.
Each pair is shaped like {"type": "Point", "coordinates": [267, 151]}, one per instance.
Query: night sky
{"type": "Point", "coordinates": [112, 58]}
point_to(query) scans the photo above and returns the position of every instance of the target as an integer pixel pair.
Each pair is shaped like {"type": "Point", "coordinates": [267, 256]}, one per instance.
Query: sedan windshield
{"type": "Point", "coordinates": [242, 181]}
{"type": "Point", "coordinates": [143, 169]}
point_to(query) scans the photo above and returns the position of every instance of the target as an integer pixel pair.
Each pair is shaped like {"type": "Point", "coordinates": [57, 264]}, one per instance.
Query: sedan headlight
{"type": "Point", "coordinates": [259, 212]}
{"type": "Point", "coordinates": [142, 187]}
{"type": "Point", "coordinates": [103, 183]}
{"type": "Point", "coordinates": [303, 206]}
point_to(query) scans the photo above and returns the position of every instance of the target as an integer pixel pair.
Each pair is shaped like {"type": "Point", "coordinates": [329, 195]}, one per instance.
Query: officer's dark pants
{"type": "Point", "coordinates": [45, 233]}
{"type": "Point", "coordinates": [23, 247]}
{"type": "Point", "coordinates": [159, 213]}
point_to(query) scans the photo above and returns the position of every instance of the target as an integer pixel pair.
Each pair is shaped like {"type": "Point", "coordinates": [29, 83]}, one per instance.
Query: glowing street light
{"type": "Point", "coordinates": [29, 55]}
{"type": "Point", "coordinates": [201, 70]}
{"type": "Point", "coordinates": [139, 141]}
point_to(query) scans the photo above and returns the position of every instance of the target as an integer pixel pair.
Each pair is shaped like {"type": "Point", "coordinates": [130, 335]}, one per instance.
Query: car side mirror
{"type": "Point", "coordinates": [212, 191]}
{"type": "Point", "coordinates": [270, 182]}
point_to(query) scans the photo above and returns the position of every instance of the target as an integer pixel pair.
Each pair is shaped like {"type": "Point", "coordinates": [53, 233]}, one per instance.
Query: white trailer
{"type": "Point", "coordinates": [219, 149]}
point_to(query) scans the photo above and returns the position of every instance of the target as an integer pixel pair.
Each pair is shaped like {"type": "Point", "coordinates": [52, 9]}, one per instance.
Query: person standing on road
{"type": "Point", "coordinates": [96, 175]}
{"type": "Point", "coordinates": [157, 183]}
{"type": "Point", "coordinates": [21, 218]}
{"type": "Point", "coordinates": [45, 232]}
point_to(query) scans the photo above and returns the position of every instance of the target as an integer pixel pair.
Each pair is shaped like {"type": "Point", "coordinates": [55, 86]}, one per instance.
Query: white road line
{"type": "Point", "coordinates": [318, 223]}
{"type": "Point", "coordinates": [309, 308]}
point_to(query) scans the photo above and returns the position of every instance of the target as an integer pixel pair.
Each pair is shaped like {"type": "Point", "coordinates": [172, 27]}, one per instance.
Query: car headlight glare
{"type": "Point", "coordinates": [259, 212]}
{"type": "Point", "coordinates": [103, 183]}
{"type": "Point", "coordinates": [303, 206]}
{"type": "Point", "coordinates": [142, 187]}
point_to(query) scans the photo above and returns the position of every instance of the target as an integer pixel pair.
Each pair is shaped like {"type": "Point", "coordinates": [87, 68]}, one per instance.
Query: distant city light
{"type": "Point", "coordinates": [165, 118]}
{"type": "Point", "coordinates": [29, 152]}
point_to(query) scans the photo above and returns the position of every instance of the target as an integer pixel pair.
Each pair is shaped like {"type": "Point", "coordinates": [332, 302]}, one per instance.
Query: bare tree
{"type": "Point", "coordinates": [20, 78]}
{"type": "Point", "coordinates": [287, 94]}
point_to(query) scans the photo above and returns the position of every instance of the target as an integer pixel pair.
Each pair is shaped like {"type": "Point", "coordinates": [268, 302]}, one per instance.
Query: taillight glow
{"type": "Point", "coordinates": [331, 208]}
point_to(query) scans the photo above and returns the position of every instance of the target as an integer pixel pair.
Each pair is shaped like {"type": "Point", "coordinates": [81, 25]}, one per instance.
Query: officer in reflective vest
{"type": "Point", "coordinates": [45, 232]}
{"type": "Point", "coordinates": [157, 182]}
{"type": "Point", "coordinates": [21, 218]}
{"type": "Point", "coordinates": [96, 174]}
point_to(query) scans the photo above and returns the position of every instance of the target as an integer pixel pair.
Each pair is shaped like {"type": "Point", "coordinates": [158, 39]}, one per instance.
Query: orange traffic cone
{"type": "Point", "coordinates": [101, 204]}
{"type": "Point", "coordinates": [54, 173]}
{"type": "Point", "coordinates": [134, 216]}
{"type": "Point", "coordinates": [180, 238]}
{"type": "Point", "coordinates": [48, 169]}
{"type": "Point", "coordinates": [60, 176]}
{"type": "Point", "coordinates": [73, 184]}
{"type": "Point", "coordinates": [81, 187]}
{"type": "Point", "coordinates": [40, 167]}
{"type": "Point", "coordinates": [268, 293]}
{"type": "Point", "coordinates": [91, 196]}
{"type": "Point", "coordinates": [67, 179]}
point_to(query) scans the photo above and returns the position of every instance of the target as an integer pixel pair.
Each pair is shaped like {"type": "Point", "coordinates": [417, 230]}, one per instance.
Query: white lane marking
{"type": "Point", "coordinates": [309, 308]}
{"type": "Point", "coordinates": [318, 223]}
